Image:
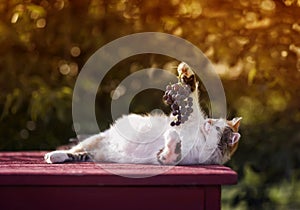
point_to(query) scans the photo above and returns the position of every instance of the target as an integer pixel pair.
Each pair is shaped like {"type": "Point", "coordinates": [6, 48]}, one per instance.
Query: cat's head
{"type": "Point", "coordinates": [227, 131]}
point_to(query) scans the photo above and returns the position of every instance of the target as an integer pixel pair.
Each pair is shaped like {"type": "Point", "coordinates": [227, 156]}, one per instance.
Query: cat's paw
{"type": "Point", "coordinates": [56, 157]}
{"type": "Point", "coordinates": [186, 75]}
{"type": "Point", "coordinates": [171, 153]}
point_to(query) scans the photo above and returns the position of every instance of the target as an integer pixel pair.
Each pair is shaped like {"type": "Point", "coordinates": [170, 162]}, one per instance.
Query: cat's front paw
{"type": "Point", "coordinates": [56, 157]}
{"type": "Point", "coordinates": [186, 75]}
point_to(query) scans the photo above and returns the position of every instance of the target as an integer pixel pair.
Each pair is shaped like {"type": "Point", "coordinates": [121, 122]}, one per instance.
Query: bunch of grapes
{"type": "Point", "coordinates": [177, 96]}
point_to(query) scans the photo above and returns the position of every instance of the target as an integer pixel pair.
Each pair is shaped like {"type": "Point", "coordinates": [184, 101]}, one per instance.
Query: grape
{"type": "Point", "coordinates": [175, 106]}
{"type": "Point", "coordinates": [179, 117]}
{"type": "Point", "coordinates": [176, 87]}
{"type": "Point", "coordinates": [177, 96]}
{"type": "Point", "coordinates": [183, 109]}
{"type": "Point", "coordinates": [169, 101]}
{"type": "Point", "coordinates": [184, 119]}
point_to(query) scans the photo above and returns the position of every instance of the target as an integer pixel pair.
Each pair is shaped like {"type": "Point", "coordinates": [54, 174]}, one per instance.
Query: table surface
{"type": "Point", "coordinates": [29, 168]}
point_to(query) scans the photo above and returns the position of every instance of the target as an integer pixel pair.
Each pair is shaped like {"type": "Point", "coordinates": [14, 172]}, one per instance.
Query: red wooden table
{"type": "Point", "coordinates": [27, 182]}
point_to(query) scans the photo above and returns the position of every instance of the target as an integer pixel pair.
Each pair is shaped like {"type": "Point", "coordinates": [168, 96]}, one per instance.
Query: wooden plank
{"type": "Point", "coordinates": [108, 198]}
{"type": "Point", "coordinates": [213, 197]}
{"type": "Point", "coordinates": [29, 168]}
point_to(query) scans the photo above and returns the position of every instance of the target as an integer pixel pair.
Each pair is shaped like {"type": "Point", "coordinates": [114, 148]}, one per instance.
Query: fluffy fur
{"type": "Point", "coordinates": [150, 139]}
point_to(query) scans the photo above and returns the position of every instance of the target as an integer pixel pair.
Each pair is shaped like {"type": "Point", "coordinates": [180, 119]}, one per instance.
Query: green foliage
{"type": "Point", "coordinates": [254, 45]}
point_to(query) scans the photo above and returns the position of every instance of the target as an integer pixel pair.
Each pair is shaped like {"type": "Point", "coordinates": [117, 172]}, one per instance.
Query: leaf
{"type": "Point", "coordinates": [38, 10]}
{"type": "Point", "coordinates": [251, 76]}
{"type": "Point", "coordinates": [7, 105]}
{"type": "Point", "coordinates": [12, 103]}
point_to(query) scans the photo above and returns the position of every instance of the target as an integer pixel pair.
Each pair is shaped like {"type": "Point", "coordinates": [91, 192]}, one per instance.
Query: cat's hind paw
{"type": "Point", "coordinates": [56, 157]}
{"type": "Point", "coordinates": [171, 153]}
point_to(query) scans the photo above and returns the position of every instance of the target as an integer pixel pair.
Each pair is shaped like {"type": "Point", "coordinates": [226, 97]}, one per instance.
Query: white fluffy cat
{"type": "Point", "coordinates": [150, 139]}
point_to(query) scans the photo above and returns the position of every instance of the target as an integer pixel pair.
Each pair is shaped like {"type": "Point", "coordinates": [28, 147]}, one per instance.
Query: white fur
{"type": "Point", "coordinates": [56, 157]}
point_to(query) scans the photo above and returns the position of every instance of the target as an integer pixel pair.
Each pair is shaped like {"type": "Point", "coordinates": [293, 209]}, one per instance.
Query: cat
{"type": "Point", "coordinates": [149, 139]}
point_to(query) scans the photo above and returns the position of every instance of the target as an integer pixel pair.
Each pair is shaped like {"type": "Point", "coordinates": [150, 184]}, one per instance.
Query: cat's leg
{"type": "Point", "coordinates": [187, 76]}
{"type": "Point", "coordinates": [61, 156]}
{"type": "Point", "coordinates": [75, 154]}
{"type": "Point", "coordinates": [171, 153]}
{"type": "Point", "coordinates": [84, 151]}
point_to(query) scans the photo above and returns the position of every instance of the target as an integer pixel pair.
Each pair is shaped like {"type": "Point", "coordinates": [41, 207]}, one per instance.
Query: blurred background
{"type": "Point", "coordinates": [254, 46]}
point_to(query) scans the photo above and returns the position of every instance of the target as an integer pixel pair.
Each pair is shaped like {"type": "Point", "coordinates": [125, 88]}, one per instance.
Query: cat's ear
{"type": "Point", "coordinates": [234, 139]}
{"type": "Point", "coordinates": [235, 123]}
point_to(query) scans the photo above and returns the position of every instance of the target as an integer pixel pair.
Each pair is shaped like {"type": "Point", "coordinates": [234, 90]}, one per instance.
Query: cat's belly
{"type": "Point", "coordinates": [138, 139]}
